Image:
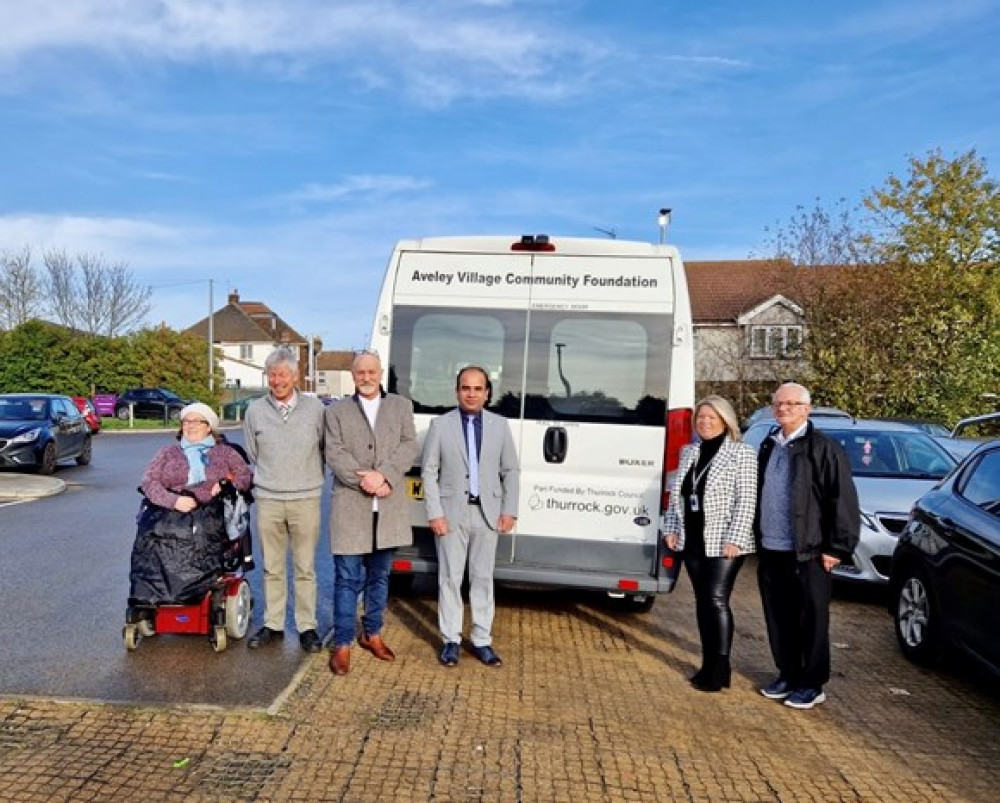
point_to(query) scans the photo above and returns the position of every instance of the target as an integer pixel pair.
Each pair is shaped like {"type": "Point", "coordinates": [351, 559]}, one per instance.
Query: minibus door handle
{"type": "Point", "coordinates": [555, 444]}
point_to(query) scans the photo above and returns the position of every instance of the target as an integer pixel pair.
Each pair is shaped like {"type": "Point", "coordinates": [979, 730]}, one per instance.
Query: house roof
{"type": "Point", "coordinates": [334, 360]}
{"type": "Point", "coordinates": [723, 290]}
{"type": "Point", "coordinates": [247, 322]}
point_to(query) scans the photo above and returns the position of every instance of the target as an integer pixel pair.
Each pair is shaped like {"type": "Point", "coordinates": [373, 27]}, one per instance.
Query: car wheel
{"type": "Point", "coordinates": [401, 584]}
{"type": "Point", "coordinates": [83, 459]}
{"type": "Point", "coordinates": [916, 618]}
{"type": "Point", "coordinates": [122, 413]}
{"type": "Point", "coordinates": [48, 464]}
{"type": "Point", "coordinates": [175, 414]}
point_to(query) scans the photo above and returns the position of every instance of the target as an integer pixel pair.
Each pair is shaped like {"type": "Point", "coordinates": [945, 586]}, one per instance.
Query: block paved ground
{"type": "Point", "coordinates": [590, 705]}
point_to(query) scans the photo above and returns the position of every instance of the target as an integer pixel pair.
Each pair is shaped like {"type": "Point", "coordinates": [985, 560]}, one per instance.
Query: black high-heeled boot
{"type": "Point", "coordinates": [701, 675]}
{"type": "Point", "coordinates": [717, 675]}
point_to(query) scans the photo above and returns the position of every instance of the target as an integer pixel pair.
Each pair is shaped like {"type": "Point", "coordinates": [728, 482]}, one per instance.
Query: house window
{"type": "Point", "coordinates": [246, 351]}
{"type": "Point", "coordinates": [775, 342]}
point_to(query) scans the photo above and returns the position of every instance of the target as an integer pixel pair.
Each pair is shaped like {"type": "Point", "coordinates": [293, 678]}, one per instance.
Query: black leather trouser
{"type": "Point", "coordinates": [713, 580]}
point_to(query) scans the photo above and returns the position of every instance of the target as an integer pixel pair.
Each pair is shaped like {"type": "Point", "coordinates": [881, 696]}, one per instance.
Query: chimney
{"type": "Point", "coordinates": [234, 296]}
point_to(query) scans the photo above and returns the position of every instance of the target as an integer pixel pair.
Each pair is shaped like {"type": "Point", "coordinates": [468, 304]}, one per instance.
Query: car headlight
{"type": "Point", "coordinates": [27, 437]}
{"type": "Point", "coordinates": [869, 522]}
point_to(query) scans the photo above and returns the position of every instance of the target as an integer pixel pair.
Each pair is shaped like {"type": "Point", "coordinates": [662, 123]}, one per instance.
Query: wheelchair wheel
{"type": "Point", "coordinates": [218, 639]}
{"type": "Point", "coordinates": [131, 636]}
{"type": "Point", "coordinates": [238, 609]}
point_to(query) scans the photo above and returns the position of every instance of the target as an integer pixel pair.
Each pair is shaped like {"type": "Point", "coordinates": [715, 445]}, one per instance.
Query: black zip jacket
{"type": "Point", "coordinates": [826, 516]}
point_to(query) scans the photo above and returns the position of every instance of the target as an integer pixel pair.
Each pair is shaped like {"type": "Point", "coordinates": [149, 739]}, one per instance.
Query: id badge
{"type": "Point", "coordinates": [693, 503]}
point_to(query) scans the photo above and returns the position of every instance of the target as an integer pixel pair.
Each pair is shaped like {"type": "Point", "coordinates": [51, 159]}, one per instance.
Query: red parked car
{"type": "Point", "coordinates": [89, 413]}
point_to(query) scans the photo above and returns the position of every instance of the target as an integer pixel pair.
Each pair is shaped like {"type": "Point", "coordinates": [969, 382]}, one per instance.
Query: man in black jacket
{"type": "Point", "coordinates": [807, 522]}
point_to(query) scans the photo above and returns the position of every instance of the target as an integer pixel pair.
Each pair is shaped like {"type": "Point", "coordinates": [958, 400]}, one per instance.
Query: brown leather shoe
{"type": "Point", "coordinates": [340, 660]}
{"type": "Point", "coordinates": [376, 647]}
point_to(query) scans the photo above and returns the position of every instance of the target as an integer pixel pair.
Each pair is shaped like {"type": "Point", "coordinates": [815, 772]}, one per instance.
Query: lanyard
{"type": "Point", "coordinates": [695, 479]}
{"type": "Point", "coordinates": [697, 475]}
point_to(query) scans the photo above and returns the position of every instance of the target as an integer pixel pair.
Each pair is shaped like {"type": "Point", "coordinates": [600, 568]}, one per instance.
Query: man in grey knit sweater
{"type": "Point", "coordinates": [284, 437]}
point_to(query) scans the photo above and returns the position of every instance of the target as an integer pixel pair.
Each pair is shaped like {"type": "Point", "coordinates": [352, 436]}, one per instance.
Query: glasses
{"type": "Point", "coordinates": [779, 405]}
{"type": "Point", "coordinates": [193, 421]}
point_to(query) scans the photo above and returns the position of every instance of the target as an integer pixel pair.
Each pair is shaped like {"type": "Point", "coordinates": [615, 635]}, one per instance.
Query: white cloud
{"type": "Point", "coordinates": [437, 50]}
{"type": "Point", "coordinates": [371, 186]}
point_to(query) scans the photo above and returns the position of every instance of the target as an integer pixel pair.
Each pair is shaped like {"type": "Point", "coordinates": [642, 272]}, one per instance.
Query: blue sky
{"type": "Point", "coordinates": [282, 147]}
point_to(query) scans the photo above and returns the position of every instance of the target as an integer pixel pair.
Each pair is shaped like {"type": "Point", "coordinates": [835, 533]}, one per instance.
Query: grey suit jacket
{"type": "Point", "coordinates": [351, 444]}
{"type": "Point", "coordinates": [445, 468]}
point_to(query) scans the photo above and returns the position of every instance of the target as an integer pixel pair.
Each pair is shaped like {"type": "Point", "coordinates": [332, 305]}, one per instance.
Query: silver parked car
{"type": "Point", "coordinates": [893, 465]}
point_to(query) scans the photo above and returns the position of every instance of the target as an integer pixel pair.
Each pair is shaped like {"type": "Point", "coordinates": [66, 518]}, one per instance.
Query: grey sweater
{"type": "Point", "coordinates": [288, 454]}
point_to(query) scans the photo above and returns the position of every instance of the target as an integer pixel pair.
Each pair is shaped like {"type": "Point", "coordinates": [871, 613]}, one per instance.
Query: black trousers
{"type": "Point", "coordinates": [796, 599]}
{"type": "Point", "coordinates": [713, 580]}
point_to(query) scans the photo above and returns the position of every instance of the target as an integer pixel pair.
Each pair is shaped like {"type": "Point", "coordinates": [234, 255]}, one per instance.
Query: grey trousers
{"type": "Point", "coordinates": [472, 539]}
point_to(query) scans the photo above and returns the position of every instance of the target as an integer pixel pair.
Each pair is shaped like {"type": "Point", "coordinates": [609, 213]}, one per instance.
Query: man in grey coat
{"type": "Point", "coordinates": [370, 445]}
{"type": "Point", "coordinates": [283, 432]}
{"type": "Point", "coordinates": [470, 475]}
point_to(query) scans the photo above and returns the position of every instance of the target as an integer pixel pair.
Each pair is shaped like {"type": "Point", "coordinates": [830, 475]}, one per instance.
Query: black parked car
{"type": "Point", "coordinates": [37, 430]}
{"type": "Point", "coordinates": [150, 403]}
{"type": "Point", "coordinates": [945, 575]}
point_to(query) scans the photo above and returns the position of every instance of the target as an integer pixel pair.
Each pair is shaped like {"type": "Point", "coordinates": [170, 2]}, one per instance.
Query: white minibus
{"type": "Point", "coordinates": [588, 346]}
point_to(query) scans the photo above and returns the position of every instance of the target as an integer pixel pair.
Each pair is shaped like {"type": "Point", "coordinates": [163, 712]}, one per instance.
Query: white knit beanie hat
{"type": "Point", "coordinates": [206, 412]}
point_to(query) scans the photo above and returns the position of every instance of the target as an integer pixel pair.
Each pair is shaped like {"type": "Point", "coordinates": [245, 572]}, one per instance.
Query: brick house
{"type": "Point", "coordinates": [245, 333]}
{"type": "Point", "coordinates": [748, 328]}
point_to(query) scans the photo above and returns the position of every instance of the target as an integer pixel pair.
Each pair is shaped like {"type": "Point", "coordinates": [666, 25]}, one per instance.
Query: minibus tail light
{"type": "Point", "coordinates": [678, 436]}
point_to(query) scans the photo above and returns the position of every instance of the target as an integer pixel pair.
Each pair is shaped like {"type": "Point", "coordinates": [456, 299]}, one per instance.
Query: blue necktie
{"type": "Point", "coordinates": [470, 431]}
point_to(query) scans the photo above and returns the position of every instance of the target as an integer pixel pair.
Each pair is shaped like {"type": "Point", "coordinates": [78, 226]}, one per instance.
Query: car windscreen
{"type": "Point", "coordinates": [882, 453]}
{"type": "Point", "coordinates": [23, 409]}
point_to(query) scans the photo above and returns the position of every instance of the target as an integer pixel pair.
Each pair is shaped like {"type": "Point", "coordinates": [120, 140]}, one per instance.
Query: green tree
{"type": "Point", "coordinates": [176, 360]}
{"type": "Point", "coordinates": [48, 358]}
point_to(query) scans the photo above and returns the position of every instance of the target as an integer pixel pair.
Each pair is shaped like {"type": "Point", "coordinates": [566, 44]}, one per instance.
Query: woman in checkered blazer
{"type": "Point", "coordinates": [710, 519]}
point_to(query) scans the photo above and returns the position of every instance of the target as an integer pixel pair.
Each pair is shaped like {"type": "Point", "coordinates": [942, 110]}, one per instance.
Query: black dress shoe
{"type": "Point", "coordinates": [310, 641]}
{"type": "Point", "coordinates": [449, 654]}
{"type": "Point", "coordinates": [487, 655]}
{"type": "Point", "coordinates": [263, 637]}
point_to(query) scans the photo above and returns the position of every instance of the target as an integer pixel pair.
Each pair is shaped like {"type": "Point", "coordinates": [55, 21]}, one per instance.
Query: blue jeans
{"type": "Point", "coordinates": [357, 574]}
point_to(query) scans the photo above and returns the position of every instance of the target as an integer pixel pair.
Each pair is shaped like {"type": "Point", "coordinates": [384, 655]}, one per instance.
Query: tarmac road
{"type": "Point", "coordinates": [63, 591]}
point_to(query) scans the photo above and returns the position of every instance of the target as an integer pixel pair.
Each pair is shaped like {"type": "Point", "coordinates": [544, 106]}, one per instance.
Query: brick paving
{"type": "Point", "coordinates": [590, 705]}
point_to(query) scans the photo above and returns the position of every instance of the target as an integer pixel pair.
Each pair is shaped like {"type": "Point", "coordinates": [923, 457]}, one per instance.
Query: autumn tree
{"type": "Point", "coordinates": [938, 229]}
{"type": "Point", "coordinates": [908, 322]}
{"type": "Point", "coordinates": [819, 236]}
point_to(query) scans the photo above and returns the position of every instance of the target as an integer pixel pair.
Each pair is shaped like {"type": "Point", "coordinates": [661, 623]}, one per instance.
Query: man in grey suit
{"type": "Point", "coordinates": [470, 475]}
{"type": "Point", "coordinates": [370, 445]}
